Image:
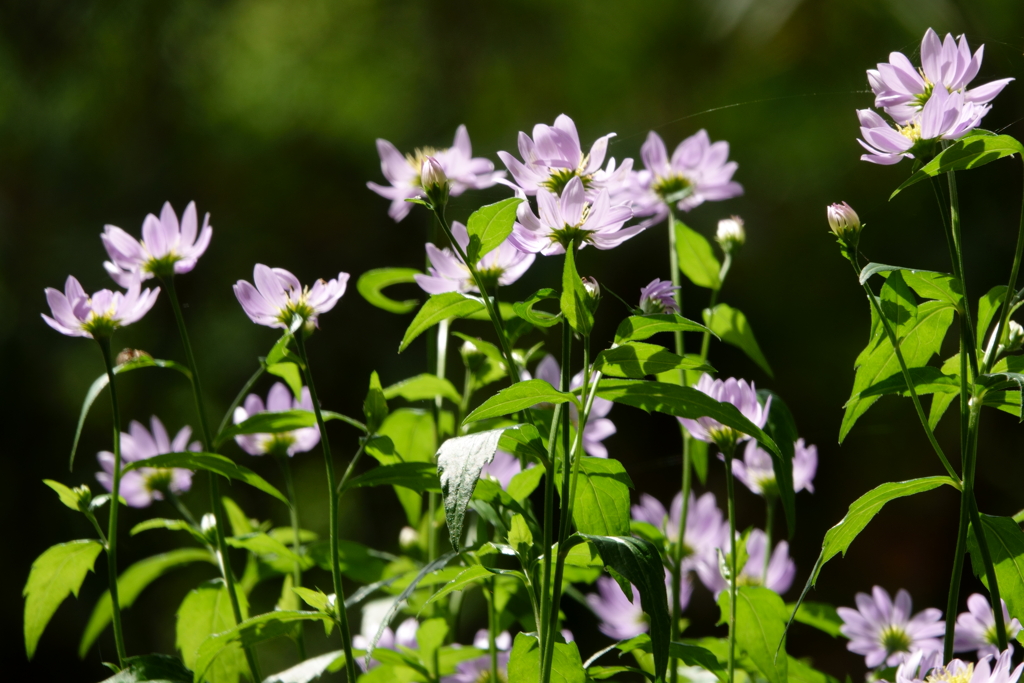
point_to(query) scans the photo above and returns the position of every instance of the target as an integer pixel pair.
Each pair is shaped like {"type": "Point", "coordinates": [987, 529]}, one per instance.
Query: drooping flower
{"type": "Point", "coordinates": [757, 473]}
{"type": "Point", "coordinates": [706, 529]}
{"type": "Point", "coordinates": [736, 392]}
{"type": "Point", "coordinates": [280, 398]}
{"type": "Point", "coordinates": [405, 172]}
{"type": "Point", "coordinates": [976, 628]}
{"type": "Point", "coordinates": [777, 573]}
{"type": "Point", "coordinates": [501, 266]}
{"type": "Point", "coordinates": [884, 631]}
{"type": "Point", "coordinates": [926, 667]}
{"type": "Point", "coordinates": [141, 487]}
{"type": "Point", "coordinates": [479, 668]}
{"type": "Point", "coordinates": [902, 91]}
{"type": "Point", "coordinates": [554, 157]}
{"type": "Point", "coordinates": [76, 314]}
{"type": "Point", "coordinates": [167, 247]}
{"type": "Point", "coordinates": [945, 116]}
{"type": "Point", "coordinates": [598, 427]}
{"type": "Point", "coordinates": [571, 217]}
{"type": "Point", "coordinates": [403, 636]}
{"type": "Point", "coordinates": [278, 297]}
{"type": "Point", "coordinates": [698, 171]}
{"type": "Point", "coordinates": [657, 297]}
{"type": "Point", "coordinates": [620, 618]}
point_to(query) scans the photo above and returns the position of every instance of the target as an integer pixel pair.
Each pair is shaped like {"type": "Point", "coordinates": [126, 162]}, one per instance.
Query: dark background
{"type": "Point", "coordinates": [265, 113]}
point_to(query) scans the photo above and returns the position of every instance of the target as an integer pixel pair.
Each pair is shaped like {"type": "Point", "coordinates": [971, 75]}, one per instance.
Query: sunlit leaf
{"type": "Point", "coordinates": [761, 617]}
{"type": "Point", "coordinates": [437, 308]}
{"type": "Point", "coordinates": [489, 226]}
{"type": "Point", "coordinates": [968, 153]}
{"type": "Point", "coordinates": [731, 326]}
{"type": "Point", "coordinates": [459, 462]}
{"type": "Point", "coordinates": [211, 462]}
{"type": "Point", "coordinates": [638, 360]}
{"type": "Point", "coordinates": [696, 258]}
{"type": "Point", "coordinates": [55, 574]}
{"type": "Point", "coordinates": [372, 282]}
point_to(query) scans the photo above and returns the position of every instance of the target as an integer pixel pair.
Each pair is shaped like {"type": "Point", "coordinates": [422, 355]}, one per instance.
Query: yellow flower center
{"type": "Point", "coordinates": [419, 157]}
{"type": "Point", "coordinates": [944, 675]}
{"type": "Point", "coordinates": [911, 131]}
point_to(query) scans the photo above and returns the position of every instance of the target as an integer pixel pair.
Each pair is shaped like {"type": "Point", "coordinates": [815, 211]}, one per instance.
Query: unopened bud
{"type": "Point", "coordinates": [845, 223]}
{"type": "Point", "coordinates": [434, 182]}
{"type": "Point", "coordinates": [730, 235]}
{"type": "Point", "coordinates": [208, 524]}
{"type": "Point", "coordinates": [593, 291]}
{"type": "Point", "coordinates": [1014, 337]}
{"type": "Point", "coordinates": [130, 355]}
{"type": "Point", "coordinates": [408, 538]}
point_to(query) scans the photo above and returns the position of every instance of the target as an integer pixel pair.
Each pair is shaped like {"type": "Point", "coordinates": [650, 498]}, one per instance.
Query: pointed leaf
{"type": "Point", "coordinates": [423, 387]}
{"type": "Point", "coordinates": [519, 396]}
{"type": "Point", "coordinates": [731, 326]}
{"type": "Point", "coordinates": [157, 668]}
{"type": "Point", "coordinates": [437, 308]}
{"type": "Point", "coordinates": [204, 611]}
{"type": "Point", "coordinates": [489, 226]}
{"type": "Point", "coordinates": [55, 574]}
{"type": "Point", "coordinates": [291, 375]}
{"type": "Point", "coordinates": [820, 615]}
{"type": "Point", "coordinates": [602, 498]}
{"type": "Point", "coordinates": [968, 153]}
{"type": "Point", "coordinates": [575, 301]}
{"type": "Point", "coordinates": [418, 476]}
{"type": "Point", "coordinates": [311, 669]}
{"type": "Point", "coordinates": [459, 462]}
{"type": "Point", "coordinates": [372, 282]}
{"type": "Point", "coordinates": [375, 405]}
{"type": "Point", "coordinates": [696, 259]}
{"type": "Point", "coordinates": [928, 284]}
{"type": "Point", "coordinates": [761, 617]}
{"type": "Point", "coordinates": [640, 327]}
{"type": "Point", "coordinates": [638, 360]}
{"type": "Point", "coordinates": [988, 306]}
{"type": "Point", "coordinates": [782, 428]}
{"type": "Point", "coordinates": [525, 309]}
{"type": "Point", "coordinates": [1006, 545]}
{"type": "Point", "coordinates": [524, 662]}
{"type": "Point", "coordinates": [191, 460]}
{"type": "Point", "coordinates": [464, 580]}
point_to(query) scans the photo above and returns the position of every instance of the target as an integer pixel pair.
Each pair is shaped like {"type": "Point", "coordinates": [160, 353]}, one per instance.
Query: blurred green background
{"type": "Point", "coordinates": [265, 113]}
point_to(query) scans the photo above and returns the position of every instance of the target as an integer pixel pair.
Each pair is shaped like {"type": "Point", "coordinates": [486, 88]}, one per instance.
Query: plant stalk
{"type": "Point", "coordinates": [293, 513]}
{"type": "Point", "coordinates": [730, 489]}
{"type": "Point", "coordinates": [1004, 314]}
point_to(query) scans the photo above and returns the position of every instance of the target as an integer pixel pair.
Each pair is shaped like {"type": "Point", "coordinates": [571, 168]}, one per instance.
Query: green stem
{"type": "Point", "coordinates": [223, 559]}
{"type": "Point", "coordinates": [293, 513]}
{"type": "Point", "coordinates": [1004, 315]}
{"type": "Point", "coordinates": [246, 388]}
{"type": "Point", "coordinates": [769, 519]}
{"type": "Point", "coordinates": [705, 342]}
{"type": "Point", "coordinates": [332, 496]}
{"type": "Point", "coordinates": [677, 292]}
{"type": "Point", "coordinates": [730, 490]}
{"type": "Point", "coordinates": [115, 503]}
{"type": "Point", "coordinates": [549, 530]}
{"type": "Point", "coordinates": [990, 572]}
{"type": "Point", "coordinates": [492, 631]}
{"type": "Point", "coordinates": [180, 506]}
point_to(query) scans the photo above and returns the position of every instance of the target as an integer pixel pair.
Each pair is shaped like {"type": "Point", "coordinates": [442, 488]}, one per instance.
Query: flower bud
{"type": "Point", "coordinates": [730, 235]}
{"type": "Point", "coordinates": [434, 182]}
{"type": "Point", "coordinates": [845, 223]}
{"type": "Point", "coordinates": [408, 538]}
{"type": "Point", "coordinates": [208, 525]}
{"type": "Point", "coordinates": [1014, 337]}
{"type": "Point", "coordinates": [593, 292]}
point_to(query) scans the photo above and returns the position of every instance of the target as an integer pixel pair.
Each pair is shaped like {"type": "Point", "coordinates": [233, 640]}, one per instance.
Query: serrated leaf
{"type": "Point", "coordinates": [55, 574]}
{"type": "Point", "coordinates": [423, 387]}
{"type": "Point", "coordinates": [638, 360]}
{"type": "Point", "coordinates": [1006, 546]}
{"type": "Point", "coordinates": [965, 154]}
{"type": "Point", "coordinates": [65, 493]}
{"type": "Point", "coordinates": [524, 662]}
{"type": "Point", "coordinates": [418, 476]}
{"type": "Point", "coordinates": [731, 326]}
{"type": "Point", "coordinates": [207, 610]}
{"type": "Point", "coordinates": [437, 308]}
{"type": "Point", "coordinates": [575, 301]}
{"type": "Point", "coordinates": [601, 506]}
{"type": "Point", "coordinates": [761, 617]}
{"type": "Point", "coordinates": [525, 309]}
{"type": "Point", "coordinates": [459, 462]}
{"type": "Point", "coordinates": [696, 258]}
{"type": "Point", "coordinates": [489, 226]}
{"type": "Point", "coordinates": [640, 327]}
{"type": "Point", "coordinates": [192, 460]}
{"type": "Point", "coordinates": [372, 282]}
{"type": "Point", "coordinates": [519, 396]}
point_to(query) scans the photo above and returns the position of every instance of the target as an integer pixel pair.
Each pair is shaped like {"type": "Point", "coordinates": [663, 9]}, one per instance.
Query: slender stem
{"type": "Point", "coordinates": [246, 388]}
{"type": "Point", "coordinates": [990, 571]}
{"type": "Point", "coordinates": [705, 341]}
{"type": "Point", "coordinates": [332, 497]}
{"type": "Point", "coordinates": [180, 506]}
{"type": "Point", "coordinates": [677, 291]}
{"type": "Point", "coordinates": [115, 503]}
{"type": "Point", "coordinates": [1004, 315]}
{"type": "Point", "coordinates": [549, 530]}
{"type": "Point", "coordinates": [967, 329]}
{"type": "Point", "coordinates": [492, 631]}
{"type": "Point", "coordinates": [223, 559]}
{"type": "Point", "coordinates": [352, 465]}
{"type": "Point", "coordinates": [769, 519]}
{"type": "Point", "coordinates": [730, 490]}
{"type": "Point", "coordinates": [293, 513]}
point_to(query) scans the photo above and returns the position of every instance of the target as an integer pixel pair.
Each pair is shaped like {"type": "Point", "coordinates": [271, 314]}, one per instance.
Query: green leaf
{"type": "Point", "coordinates": [66, 494]}
{"type": "Point", "coordinates": [761, 617]}
{"type": "Point", "coordinates": [459, 462]}
{"type": "Point", "coordinates": [988, 306]}
{"type": "Point", "coordinates": [575, 301]}
{"type": "Point", "coordinates": [280, 350]}
{"type": "Point", "coordinates": [519, 396]}
{"type": "Point", "coordinates": [639, 562]}
{"type": "Point", "coordinates": [524, 662]}
{"type": "Point", "coordinates": [968, 153]}
{"type": "Point", "coordinates": [157, 668]}
{"type": "Point", "coordinates": [926, 380]}
{"type": "Point", "coordinates": [423, 387]}
{"type": "Point", "coordinates": [820, 615]}
{"type": "Point", "coordinates": [211, 462]}
{"type": "Point", "coordinates": [169, 525]}
{"type": "Point", "coordinates": [638, 360]}
{"type": "Point", "coordinates": [418, 476]}
{"type": "Point", "coordinates": [928, 284]}
{"type": "Point", "coordinates": [489, 226]}
{"type": "Point", "coordinates": [689, 654]}
{"type": "Point", "coordinates": [782, 428]}
{"type": "Point", "coordinates": [838, 538]}
{"type": "Point", "coordinates": [207, 610]}
{"type": "Point", "coordinates": [414, 438]}
{"type": "Point", "coordinates": [437, 308]}
{"type": "Point", "coordinates": [263, 545]}
{"type": "Point", "coordinates": [520, 538]}
{"type": "Point", "coordinates": [375, 405]}
{"type": "Point", "coordinates": [640, 327]}
{"type": "Point", "coordinates": [464, 580]}
{"type": "Point", "coordinates": [485, 362]}
{"type": "Point", "coordinates": [524, 483]}
{"type": "Point", "coordinates": [268, 423]}
{"type": "Point", "coordinates": [1006, 545]}
{"type": "Point", "coordinates": [291, 375]}
{"type": "Point", "coordinates": [358, 562]}
{"type": "Point", "coordinates": [318, 600]}
{"type": "Point", "coordinates": [696, 259]}
{"type": "Point", "coordinates": [682, 402]}
{"type": "Point", "coordinates": [372, 282]}
{"type": "Point", "coordinates": [101, 383]}
{"type": "Point", "coordinates": [525, 441]}
{"type": "Point", "coordinates": [131, 583]}
{"type": "Point", "coordinates": [55, 574]}
{"type": "Point", "coordinates": [602, 498]}
{"type": "Point", "coordinates": [731, 326]}
{"type": "Point", "coordinates": [311, 669]}
{"type": "Point", "coordinates": [525, 310]}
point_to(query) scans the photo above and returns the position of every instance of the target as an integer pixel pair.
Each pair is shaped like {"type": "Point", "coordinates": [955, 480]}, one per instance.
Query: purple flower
{"type": "Point", "coordinates": [736, 392]}
{"type": "Point", "coordinates": [885, 632]}
{"type": "Point", "coordinates": [698, 171]}
{"type": "Point", "coordinates": [141, 487]}
{"type": "Point", "coordinates": [706, 530]}
{"type": "Point", "coordinates": [844, 222]}
{"type": "Point", "coordinates": [976, 628]}
{"type": "Point", "coordinates": [502, 468]}
{"type": "Point", "coordinates": [777, 575]}
{"type": "Point", "coordinates": [657, 297]}
{"type": "Point", "coordinates": [945, 116]}
{"type": "Point", "coordinates": [620, 618]}
{"type": "Point", "coordinates": [403, 636]}
{"type": "Point", "coordinates": [918, 666]}
{"type": "Point", "coordinates": [598, 427]}
{"type": "Point", "coordinates": [278, 297]}
{"type": "Point", "coordinates": [757, 473]}
{"type": "Point", "coordinates": [571, 217]}
{"type": "Point", "coordinates": [167, 247]}
{"type": "Point", "coordinates": [478, 669]}
{"type": "Point", "coordinates": [279, 399]}
{"type": "Point", "coordinates": [405, 173]}
{"type": "Point", "coordinates": [902, 90]}
{"type": "Point", "coordinates": [554, 157]}
{"type": "Point", "coordinates": [78, 315]}
{"type": "Point", "coordinates": [501, 266]}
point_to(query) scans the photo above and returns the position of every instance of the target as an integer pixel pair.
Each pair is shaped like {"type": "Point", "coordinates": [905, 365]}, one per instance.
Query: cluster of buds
{"type": "Point", "coordinates": [845, 223]}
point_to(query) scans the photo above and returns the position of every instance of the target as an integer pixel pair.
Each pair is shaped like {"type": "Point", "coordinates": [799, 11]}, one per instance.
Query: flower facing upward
{"type": "Point", "coordinates": [479, 669]}
{"type": "Point", "coordinates": [501, 266]}
{"type": "Point", "coordinates": [697, 171]}
{"type": "Point", "coordinates": [657, 297]}
{"type": "Point", "coordinates": [280, 398]}
{"type": "Point", "coordinates": [926, 667]}
{"type": "Point", "coordinates": [976, 628]}
{"type": "Point", "coordinates": [141, 487]}
{"type": "Point", "coordinates": [738, 393]}
{"type": "Point", "coordinates": [167, 247]}
{"type": "Point", "coordinates": [730, 234]}
{"type": "Point", "coordinates": [844, 222]}
{"type": "Point", "coordinates": [278, 297]}
{"type": "Point", "coordinates": [598, 427]}
{"type": "Point", "coordinates": [884, 631]}
{"type": "Point", "coordinates": [77, 314]}
{"type": "Point", "coordinates": [571, 217]}
{"type": "Point", "coordinates": [405, 173]}
{"type": "Point", "coordinates": [554, 156]}
{"type": "Point", "coordinates": [777, 575]}
{"type": "Point", "coordinates": [706, 529]}
{"type": "Point", "coordinates": [757, 473]}
{"type": "Point", "coordinates": [902, 90]}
